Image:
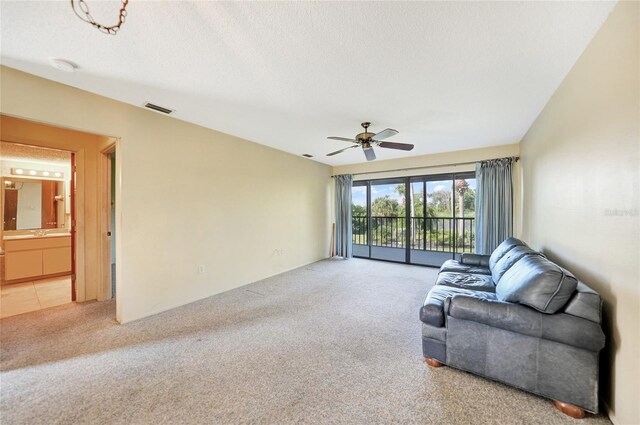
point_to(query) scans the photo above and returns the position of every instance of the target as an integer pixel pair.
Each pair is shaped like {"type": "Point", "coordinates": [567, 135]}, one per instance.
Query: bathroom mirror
{"type": "Point", "coordinates": [33, 204]}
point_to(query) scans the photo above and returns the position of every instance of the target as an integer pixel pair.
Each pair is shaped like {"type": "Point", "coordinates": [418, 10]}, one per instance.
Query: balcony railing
{"type": "Point", "coordinates": [444, 234]}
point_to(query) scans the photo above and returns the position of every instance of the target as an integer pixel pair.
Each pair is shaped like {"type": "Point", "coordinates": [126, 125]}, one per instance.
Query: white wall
{"type": "Point", "coordinates": [190, 196]}
{"type": "Point", "coordinates": [582, 192]}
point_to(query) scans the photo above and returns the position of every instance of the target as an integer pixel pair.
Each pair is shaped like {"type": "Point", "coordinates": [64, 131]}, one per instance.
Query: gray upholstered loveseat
{"type": "Point", "coordinates": [517, 318]}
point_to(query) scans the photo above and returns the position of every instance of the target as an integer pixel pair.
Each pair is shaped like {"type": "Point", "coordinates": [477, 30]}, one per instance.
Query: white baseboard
{"type": "Point", "coordinates": [610, 413]}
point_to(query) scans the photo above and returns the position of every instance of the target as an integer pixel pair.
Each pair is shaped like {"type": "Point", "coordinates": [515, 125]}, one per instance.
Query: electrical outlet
{"type": "Point", "coordinates": [201, 269]}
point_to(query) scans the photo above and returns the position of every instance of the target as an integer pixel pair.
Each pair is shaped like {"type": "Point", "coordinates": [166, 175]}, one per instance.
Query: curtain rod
{"type": "Point", "coordinates": [516, 158]}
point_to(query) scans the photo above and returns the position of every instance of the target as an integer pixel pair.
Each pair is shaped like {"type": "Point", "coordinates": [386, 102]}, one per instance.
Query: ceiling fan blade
{"type": "Point", "coordinates": [369, 153]}
{"type": "Point", "coordinates": [393, 145]}
{"type": "Point", "coordinates": [341, 150]}
{"type": "Point", "coordinates": [384, 134]}
{"type": "Point", "coordinates": [343, 139]}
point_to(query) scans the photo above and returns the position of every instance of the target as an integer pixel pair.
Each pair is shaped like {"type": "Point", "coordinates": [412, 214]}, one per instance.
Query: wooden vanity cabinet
{"type": "Point", "coordinates": [37, 257]}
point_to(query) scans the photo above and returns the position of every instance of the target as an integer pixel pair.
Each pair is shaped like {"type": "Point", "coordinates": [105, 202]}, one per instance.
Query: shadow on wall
{"type": "Point", "coordinates": [608, 355]}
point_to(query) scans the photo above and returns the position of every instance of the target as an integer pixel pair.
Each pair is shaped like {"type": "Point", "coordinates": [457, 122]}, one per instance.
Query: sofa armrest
{"type": "Point", "coordinates": [475, 259]}
{"type": "Point", "coordinates": [559, 327]}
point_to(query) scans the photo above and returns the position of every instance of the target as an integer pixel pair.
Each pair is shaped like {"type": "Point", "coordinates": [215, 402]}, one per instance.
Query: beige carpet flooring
{"type": "Point", "coordinates": [335, 342]}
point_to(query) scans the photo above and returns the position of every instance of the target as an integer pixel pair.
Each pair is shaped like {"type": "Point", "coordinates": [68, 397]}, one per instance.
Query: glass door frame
{"type": "Point", "coordinates": [407, 181]}
{"type": "Point", "coordinates": [367, 185]}
{"type": "Point", "coordinates": [383, 250]}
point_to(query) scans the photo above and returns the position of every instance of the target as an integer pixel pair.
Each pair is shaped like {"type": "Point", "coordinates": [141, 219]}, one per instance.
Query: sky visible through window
{"type": "Point", "coordinates": [359, 193]}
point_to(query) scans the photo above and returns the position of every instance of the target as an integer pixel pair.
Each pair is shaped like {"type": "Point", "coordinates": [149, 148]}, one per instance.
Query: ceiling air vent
{"type": "Point", "coordinates": [157, 108]}
{"type": "Point", "coordinates": [306, 155]}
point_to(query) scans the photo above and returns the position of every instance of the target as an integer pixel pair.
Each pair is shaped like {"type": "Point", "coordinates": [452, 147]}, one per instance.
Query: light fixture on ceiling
{"type": "Point", "coordinates": [37, 173]}
{"type": "Point", "coordinates": [81, 9]}
{"type": "Point", "coordinates": [367, 140]}
{"type": "Point", "coordinates": [63, 64]}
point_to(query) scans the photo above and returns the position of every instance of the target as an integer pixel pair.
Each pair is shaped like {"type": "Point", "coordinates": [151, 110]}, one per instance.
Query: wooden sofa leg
{"type": "Point", "coordinates": [569, 409]}
{"type": "Point", "coordinates": [433, 362]}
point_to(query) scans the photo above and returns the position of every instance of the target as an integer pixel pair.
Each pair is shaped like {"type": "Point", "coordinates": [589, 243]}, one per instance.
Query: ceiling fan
{"type": "Point", "coordinates": [367, 140]}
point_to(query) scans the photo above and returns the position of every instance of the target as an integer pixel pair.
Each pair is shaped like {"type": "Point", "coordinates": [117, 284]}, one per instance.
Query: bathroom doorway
{"type": "Point", "coordinates": [37, 254]}
{"type": "Point", "coordinates": [92, 274]}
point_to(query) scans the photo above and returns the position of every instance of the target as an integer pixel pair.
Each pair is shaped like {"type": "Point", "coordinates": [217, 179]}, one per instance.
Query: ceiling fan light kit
{"type": "Point", "coordinates": [81, 9]}
{"type": "Point", "coordinates": [366, 140]}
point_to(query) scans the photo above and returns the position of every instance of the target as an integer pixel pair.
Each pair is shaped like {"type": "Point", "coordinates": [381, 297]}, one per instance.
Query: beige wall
{"type": "Point", "coordinates": [190, 196]}
{"type": "Point", "coordinates": [581, 184]}
{"type": "Point", "coordinates": [432, 161]}
{"type": "Point", "coordinates": [437, 164]}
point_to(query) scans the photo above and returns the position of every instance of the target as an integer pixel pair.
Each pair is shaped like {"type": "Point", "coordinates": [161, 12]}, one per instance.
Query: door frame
{"type": "Point", "coordinates": [105, 291]}
{"type": "Point", "coordinates": [77, 225]}
{"type": "Point", "coordinates": [73, 193]}
{"type": "Point", "coordinates": [87, 147]}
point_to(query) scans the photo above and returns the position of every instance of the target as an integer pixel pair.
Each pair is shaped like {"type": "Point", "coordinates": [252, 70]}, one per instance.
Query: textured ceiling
{"type": "Point", "coordinates": [32, 154]}
{"type": "Point", "coordinates": [447, 75]}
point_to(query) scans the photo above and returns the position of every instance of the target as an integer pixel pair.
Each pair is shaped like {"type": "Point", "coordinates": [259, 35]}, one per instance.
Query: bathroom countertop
{"type": "Point", "coordinates": [32, 236]}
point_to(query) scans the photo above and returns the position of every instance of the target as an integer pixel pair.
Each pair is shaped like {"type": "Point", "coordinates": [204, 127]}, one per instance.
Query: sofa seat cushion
{"type": "Point", "coordinates": [476, 282]}
{"type": "Point", "coordinates": [538, 283]}
{"type": "Point", "coordinates": [432, 311]}
{"type": "Point", "coordinates": [457, 267]}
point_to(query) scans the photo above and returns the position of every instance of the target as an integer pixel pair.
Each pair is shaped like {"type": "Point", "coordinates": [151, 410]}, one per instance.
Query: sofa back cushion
{"type": "Point", "coordinates": [507, 245]}
{"type": "Point", "coordinates": [508, 260]}
{"type": "Point", "coordinates": [537, 282]}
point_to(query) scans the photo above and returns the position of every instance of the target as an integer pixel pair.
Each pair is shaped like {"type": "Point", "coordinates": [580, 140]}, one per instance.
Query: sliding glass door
{"type": "Point", "coordinates": [388, 220]}
{"type": "Point", "coordinates": [420, 220]}
{"type": "Point", "coordinates": [360, 219]}
{"type": "Point", "coordinates": [443, 218]}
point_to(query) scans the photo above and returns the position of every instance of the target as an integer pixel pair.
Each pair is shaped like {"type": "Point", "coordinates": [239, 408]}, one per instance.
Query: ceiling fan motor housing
{"type": "Point", "coordinates": [365, 137]}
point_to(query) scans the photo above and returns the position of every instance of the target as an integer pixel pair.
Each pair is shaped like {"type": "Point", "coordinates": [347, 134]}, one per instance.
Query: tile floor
{"type": "Point", "coordinates": [24, 297]}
